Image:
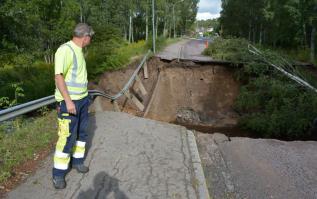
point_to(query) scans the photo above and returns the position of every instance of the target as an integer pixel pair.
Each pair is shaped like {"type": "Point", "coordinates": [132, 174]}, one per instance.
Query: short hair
{"type": "Point", "coordinates": [83, 29]}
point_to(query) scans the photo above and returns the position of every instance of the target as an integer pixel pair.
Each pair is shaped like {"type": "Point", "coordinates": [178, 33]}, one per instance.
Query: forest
{"type": "Point", "coordinates": [40, 26]}
{"type": "Point", "coordinates": [31, 31]}
{"type": "Point", "coordinates": [270, 104]}
{"type": "Point", "coordinates": [277, 23]}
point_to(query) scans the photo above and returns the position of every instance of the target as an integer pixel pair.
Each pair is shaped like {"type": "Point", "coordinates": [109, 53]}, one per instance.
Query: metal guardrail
{"type": "Point", "coordinates": [21, 109]}
{"type": "Point", "coordinates": [132, 79]}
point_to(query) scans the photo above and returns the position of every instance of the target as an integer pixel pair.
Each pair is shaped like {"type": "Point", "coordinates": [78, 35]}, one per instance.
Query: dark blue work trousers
{"type": "Point", "coordinates": [72, 136]}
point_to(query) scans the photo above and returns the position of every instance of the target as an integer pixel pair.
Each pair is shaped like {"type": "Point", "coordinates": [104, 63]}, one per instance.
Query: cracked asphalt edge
{"type": "Point", "coordinates": [201, 186]}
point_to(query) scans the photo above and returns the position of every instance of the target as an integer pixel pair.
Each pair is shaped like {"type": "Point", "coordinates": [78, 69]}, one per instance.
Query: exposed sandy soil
{"type": "Point", "coordinates": [112, 82]}
{"type": "Point", "coordinates": [195, 96]}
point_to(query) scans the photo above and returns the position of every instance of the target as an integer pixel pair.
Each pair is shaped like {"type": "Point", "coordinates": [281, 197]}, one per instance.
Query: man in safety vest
{"type": "Point", "coordinates": [72, 97]}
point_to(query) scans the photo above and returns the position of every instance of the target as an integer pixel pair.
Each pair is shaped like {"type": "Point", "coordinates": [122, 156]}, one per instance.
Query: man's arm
{"type": "Point", "coordinates": [61, 85]}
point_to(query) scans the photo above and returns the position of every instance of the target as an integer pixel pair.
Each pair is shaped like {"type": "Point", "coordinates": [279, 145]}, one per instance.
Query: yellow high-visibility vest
{"type": "Point", "coordinates": [70, 61]}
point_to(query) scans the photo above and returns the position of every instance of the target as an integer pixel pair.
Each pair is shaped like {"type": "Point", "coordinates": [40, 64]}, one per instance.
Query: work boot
{"type": "Point", "coordinates": [59, 182]}
{"type": "Point", "coordinates": [81, 168]}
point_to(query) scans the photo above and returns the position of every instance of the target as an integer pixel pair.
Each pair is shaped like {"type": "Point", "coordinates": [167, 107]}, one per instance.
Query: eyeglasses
{"type": "Point", "coordinates": [89, 34]}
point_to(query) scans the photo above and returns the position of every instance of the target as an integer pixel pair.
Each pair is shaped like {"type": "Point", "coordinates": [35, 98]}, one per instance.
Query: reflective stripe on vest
{"type": "Point", "coordinates": [73, 87]}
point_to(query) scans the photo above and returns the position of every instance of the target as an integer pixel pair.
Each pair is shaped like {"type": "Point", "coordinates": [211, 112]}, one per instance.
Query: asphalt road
{"type": "Point", "coordinates": [188, 49]}
{"type": "Point", "coordinates": [129, 157]}
{"type": "Point", "coordinates": [241, 168]}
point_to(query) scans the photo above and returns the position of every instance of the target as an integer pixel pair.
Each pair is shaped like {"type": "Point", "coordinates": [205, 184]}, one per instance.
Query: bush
{"type": "Point", "coordinates": [111, 55]}
{"type": "Point", "coordinates": [36, 81]}
{"type": "Point", "coordinates": [276, 109]}
{"type": "Point", "coordinates": [159, 43]}
{"type": "Point", "coordinates": [122, 55]}
{"type": "Point", "coordinates": [109, 51]}
{"type": "Point", "coordinates": [271, 105]}
{"type": "Point", "coordinates": [235, 50]}
{"type": "Point", "coordinates": [39, 78]}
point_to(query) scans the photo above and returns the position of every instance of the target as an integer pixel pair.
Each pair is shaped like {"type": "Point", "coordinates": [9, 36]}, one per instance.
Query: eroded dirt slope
{"type": "Point", "coordinates": [195, 95]}
{"type": "Point", "coordinates": [183, 93]}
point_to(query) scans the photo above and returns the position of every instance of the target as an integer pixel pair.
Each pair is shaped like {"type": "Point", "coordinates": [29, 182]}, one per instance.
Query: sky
{"type": "Point", "coordinates": [208, 9]}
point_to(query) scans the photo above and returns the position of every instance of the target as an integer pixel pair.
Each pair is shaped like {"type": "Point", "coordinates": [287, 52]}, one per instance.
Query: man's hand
{"type": "Point", "coordinates": [71, 108]}
{"type": "Point", "coordinates": [61, 85]}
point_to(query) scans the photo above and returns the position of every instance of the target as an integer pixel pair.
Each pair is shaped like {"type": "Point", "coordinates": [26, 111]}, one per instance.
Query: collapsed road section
{"type": "Point", "coordinates": [197, 96]}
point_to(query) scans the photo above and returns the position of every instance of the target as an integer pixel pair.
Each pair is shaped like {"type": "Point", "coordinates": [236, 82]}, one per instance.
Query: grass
{"type": "Point", "coordinates": [161, 43]}
{"type": "Point", "coordinates": [104, 56]}
{"type": "Point", "coordinates": [123, 55]}
{"type": "Point", "coordinates": [170, 41]}
{"type": "Point", "coordinates": [100, 60]}
{"type": "Point", "coordinates": [21, 145]}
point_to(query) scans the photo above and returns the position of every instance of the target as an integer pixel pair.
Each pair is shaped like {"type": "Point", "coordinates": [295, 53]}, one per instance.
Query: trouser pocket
{"type": "Point", "coordinates": [61, 159]}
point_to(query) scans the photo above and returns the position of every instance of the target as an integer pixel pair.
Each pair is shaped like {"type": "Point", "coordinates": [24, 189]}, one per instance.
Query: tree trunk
{"type": "Point", "coordinates": [312, 44]}
{"type": "Point", "coordinates": [304, 36]}
{"type": "Point", "coordinates": [254, 35]}
{"type": "Point", "coordinates": [169, 29]}
{"type": "Point", "coordinates": [146, 26]}
{"type": "Point", "coordinates": [260, 37]}
{"type": "Point", "coordinates": [164, 28]}
{"type": "Point", "coordinates": [153, 26]}
{"type": "Point", "coordinates": [125, 33]}
{"type": "Point", "coordinates": [81, 12]}
{"type": "Point", "coordinates": [156, 26]}
{"type": "Point", "coordinates": [130, 28]}
{"type": "Point", "coordinates": [165, 22]}
{"type": "Point", "coordinates": [250, 29]}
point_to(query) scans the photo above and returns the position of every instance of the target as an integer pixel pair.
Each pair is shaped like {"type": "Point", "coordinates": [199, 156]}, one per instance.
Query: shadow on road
{"type": "Point", "coordinates": [91, 132]}
{"type": "Point", "coordinates": [104, 187]}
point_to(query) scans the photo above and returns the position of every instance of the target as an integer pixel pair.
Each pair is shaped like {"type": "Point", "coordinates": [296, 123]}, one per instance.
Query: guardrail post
{"type": "Point", "coordinates": [140, 85]}
{"type": "Point", "coordinates": [134, 100]}
{"type": "Point", "coordinates": [145, 71]}
{"type": "Point", "coordinates": [116, 107]}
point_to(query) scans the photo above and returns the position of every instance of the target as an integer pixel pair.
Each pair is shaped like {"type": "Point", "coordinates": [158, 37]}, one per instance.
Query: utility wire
{"type": "Point", "coordinates": [283, 66]}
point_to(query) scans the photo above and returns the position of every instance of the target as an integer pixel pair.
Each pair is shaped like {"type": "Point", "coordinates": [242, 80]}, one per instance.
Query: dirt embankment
{"type": "Point", "coordinates": [196, 96]}
{"type": "Point", "coordinates": [112, 82]}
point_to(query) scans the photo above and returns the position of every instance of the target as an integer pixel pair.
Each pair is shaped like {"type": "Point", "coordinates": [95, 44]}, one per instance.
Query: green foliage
{"type": "Point", "coordinates": [123, 55]}
{"type": "Point", "coordinates": [4, 102]}
{"type": "Point", "coordinates": [204, 25]}
{"type": "Point", "coordinates": [34, 29]}
{"type": "Point", "coordinates": [159, 43]}
{"type": "Point", "coordinates": [271, 105]}
{"type": "Point", "coordinates": [299, 54]}
{"type": "Point", "coordinates": [109, 54]}
{"type": "Point", "coordinates": [280, 111]}
{"type": "Point", "coordinates": [209, 23]}
{"type": "Point", "coordinates": [18, 93]}
{"type": "Point", "coordinates": [289, 23]}
{"type": "Point", "coordinates": [235, 50]}
{"type": "Point", "coordinates": [24, 84]}
{"type": "Point", "coordinates": [22, 144]}
{"type": "Point", "coordinates": [38, 26]}
{"type": "Point", "coordinates": [102, 47]}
